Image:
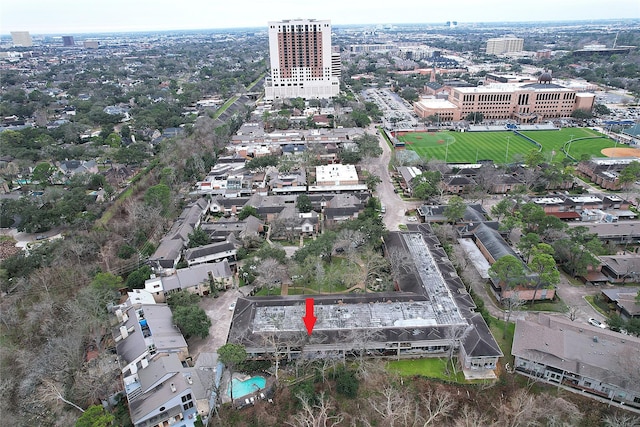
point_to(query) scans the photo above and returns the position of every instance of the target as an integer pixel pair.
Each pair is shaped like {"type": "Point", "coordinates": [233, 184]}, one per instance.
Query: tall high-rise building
{"type": "Point", "coordinates": [68, 41]}
{"type": "Point", "coordinates": [21, 38]}
{"type": "Point", "coordinates": [502, 45]}
{"type": "Point", "coordinates": [303, 62]}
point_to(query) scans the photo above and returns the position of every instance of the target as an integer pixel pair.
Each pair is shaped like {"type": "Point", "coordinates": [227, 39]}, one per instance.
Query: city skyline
{"type": "Point", "coordinates": [73, 16]}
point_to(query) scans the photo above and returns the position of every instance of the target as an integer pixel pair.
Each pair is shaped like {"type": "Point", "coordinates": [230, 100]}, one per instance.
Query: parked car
{"type": "Point", "coordinates": [232, 306]}
{"type": "Point", "coordinates": [597, 323]}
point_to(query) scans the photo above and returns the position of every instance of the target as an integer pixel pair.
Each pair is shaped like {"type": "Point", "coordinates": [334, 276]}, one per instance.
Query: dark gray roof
{"type": "Point", "coordinates": [205, 250]}
{"type": "Point", "coordinates": [493, 242]}
{"type": "Point", "coordinates": [479, 341]}
{"type": "Point", "coordinates": [331, 213]}
{"type": "Point", "coordinates": [580, 348]}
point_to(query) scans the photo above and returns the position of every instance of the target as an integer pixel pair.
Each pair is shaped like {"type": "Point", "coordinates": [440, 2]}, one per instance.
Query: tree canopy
{"type": "Point", "coordinates": [508, 270]}
{"type": "Point", "coordinates": [95, 416]}
{"type": "Point", "coordinates": [192, 321]}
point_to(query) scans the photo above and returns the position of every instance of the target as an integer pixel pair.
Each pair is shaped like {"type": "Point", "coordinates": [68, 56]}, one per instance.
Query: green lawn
{"type": "Point", "coordinates": [504, 341]}
{"type": "Point", "coordinates": [468, 147]}
{"type": "Point", "coordinates": [429, 367]}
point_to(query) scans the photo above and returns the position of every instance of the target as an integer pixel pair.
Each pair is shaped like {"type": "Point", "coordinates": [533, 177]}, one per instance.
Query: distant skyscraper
{"type": "Point", "coordinates": [502, 45]}
{"type": "Point", "coordinates": [68, 41]}
{"type": "Point", "coordinates": [91, 44]}
{"type": "Point", "coordinates": [21, 38]}
{"type": "Point", "coordinates": [303, 63]}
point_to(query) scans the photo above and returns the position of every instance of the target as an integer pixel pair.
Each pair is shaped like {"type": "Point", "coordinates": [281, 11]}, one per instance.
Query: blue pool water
{"type": "Point", "coordinates": [242, 388]}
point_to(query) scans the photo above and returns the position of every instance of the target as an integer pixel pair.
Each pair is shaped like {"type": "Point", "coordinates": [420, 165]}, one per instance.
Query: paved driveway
{"type": "Point", "coordinates": [218, 311]}
{"type": "Point", "coordinates": [395, 206]}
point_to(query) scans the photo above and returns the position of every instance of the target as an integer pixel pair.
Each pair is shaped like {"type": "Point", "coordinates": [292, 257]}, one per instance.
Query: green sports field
{"type": "Point", "coordinates": [468, 147]}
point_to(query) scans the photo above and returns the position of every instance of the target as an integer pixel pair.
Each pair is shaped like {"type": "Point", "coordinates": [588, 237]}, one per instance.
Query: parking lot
{"type": "Point", "coordinates": [398, 113]}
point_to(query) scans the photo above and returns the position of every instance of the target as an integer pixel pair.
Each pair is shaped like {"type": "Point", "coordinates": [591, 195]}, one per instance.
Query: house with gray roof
{"type": "Point", "coordinates": [145, 331]}
{"type": "Point", "coordinates": [621, 268]}
{"type": "Point", "coordinates": [214, 252]}
{"type": "Point", "coordinates": [169, 252]}
{"type": "Point", "coordinates": [166, 393]}
{"type": "Point", "coordinates": [292, 182]}
{"type": "Point", "coordinates": [625, 301]}
{"type": "Point", "coordinates": [620, 232]}
{"type": "Point", "coordinates": [594, 362]}
{"type": "Point", "coordinates": [223, 228]}
{"type": "Point", "coordinates": [198, 279]}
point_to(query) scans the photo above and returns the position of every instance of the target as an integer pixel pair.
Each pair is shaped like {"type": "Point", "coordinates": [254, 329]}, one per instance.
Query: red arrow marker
{"type": "Point", "coordinates": [309, 319]}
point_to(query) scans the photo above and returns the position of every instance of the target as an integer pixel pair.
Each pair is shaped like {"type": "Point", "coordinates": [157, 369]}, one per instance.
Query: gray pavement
{"type": "Point", "coordinates": [218, 311]}
{"type": "Point", "coordinates": [395, 206]}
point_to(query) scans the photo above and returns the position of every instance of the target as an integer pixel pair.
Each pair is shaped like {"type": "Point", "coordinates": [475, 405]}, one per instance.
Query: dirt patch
{"type": "Point", "coordinates": [621, 152]}
{"type": "Point", "coordinates": [441, 141]}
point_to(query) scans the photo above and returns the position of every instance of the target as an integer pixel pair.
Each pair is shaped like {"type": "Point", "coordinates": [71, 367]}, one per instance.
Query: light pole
{"type": "Point", "coordinates": [506, 154]}
{"type": "Point", "coordinates": [446, 152]}
{"type": "Point", "coordinates": [569, 146]}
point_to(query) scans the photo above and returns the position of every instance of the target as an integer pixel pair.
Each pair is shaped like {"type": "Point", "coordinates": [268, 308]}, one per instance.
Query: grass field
{"type": "Point", "coordinates": [503, 147]}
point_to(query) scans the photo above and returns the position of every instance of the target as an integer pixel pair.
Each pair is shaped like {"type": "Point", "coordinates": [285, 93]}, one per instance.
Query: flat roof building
{"type": "Point", "coordinates": [21, 39]}
{"type": "Point", "coordinates": [524, 102]}
{"type": "Point", "coordinates": [498, 46]}
{"type": "Point", "coordinates": [303, 63]}
{"type": "Point", "coordinates": [430, 313]}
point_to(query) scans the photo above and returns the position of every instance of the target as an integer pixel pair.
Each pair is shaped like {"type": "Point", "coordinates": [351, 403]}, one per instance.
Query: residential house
{"type": "Point", "coordinates": [505, 183]}
{"type": "Point", "coordinates": [458, 184]}
{"type": "Point", "coordinates": [627, 306]}
{"type": "Point", "coordinates": [604, 171]}
{"type": "Point", "coordinates": [621, 268]}
{"type": "Point", "coordinates": [143, 332]}
{"type": "Point", "coordinates": [167, 393]}
{"type": "Point", "coordinates": [578, 357]}
{"type": "Point", "coordinates": [169, 252]}
{"type": "Point", "coordinates": [73, 167]}
{"type": "Point", "coordinates": [406, 174]}
{"type": "Point", "coordinates": [293, 182]}
{"type": "Point", "coordinates": [214, 252]}
{"type": "Point", "coordinates": [223, 228]}
{"type": "Point", "coordinates": [621, 232]}
{"type": "Point", "coordinates": [198, 279]}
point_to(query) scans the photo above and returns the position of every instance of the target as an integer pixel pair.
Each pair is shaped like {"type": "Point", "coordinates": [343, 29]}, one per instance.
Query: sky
{"type": "Point", "coordinates": [89, 16]}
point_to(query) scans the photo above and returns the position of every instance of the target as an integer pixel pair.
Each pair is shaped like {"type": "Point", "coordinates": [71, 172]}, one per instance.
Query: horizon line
{"type": "Point", "coordinates": [439, 23]}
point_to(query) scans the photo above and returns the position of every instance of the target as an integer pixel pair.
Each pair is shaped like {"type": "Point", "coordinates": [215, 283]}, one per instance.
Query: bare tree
{"type": "Point", "coordinates": [270, 273]}
{"type": "Point", "coordinates": [393, 406]}
{"type": "Point", "coordinates": [437, 405]}
{"type": "Point", "coordinates": [401, 263]}
{"type": "Point", "coordinates": [620, 419]}
{"type": "Point", "coordinates": [455, 335]}
{"type": "Point", "coordinates": [97, 379]}
{"type": "Point", "coordinates": [349, 240]}
{"type": "Point", "coordinates": [518, 410]}
{"type": "Point", "coordinates": [317, 415]}
{"type": "Point", "coordinates": [51, 391]}
{"type": "Point", "coordinates": [558, 412]}
{"type": "Point", "coordinates": [572, 312]}
{"type": "Point", "coordinates": [510, 303]}
{"type": "Point", "coordinates": [470, 417]}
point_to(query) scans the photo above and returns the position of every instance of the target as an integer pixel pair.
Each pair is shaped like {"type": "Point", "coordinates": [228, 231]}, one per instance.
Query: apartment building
{"type": "Point", "coordinates": [500, 45]}
{"type": "Point", "coordinates": [303, 63]}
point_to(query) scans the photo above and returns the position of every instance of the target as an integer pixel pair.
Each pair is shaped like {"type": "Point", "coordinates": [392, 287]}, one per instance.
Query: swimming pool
{"type": "Point", "coordinates": [242, 388]}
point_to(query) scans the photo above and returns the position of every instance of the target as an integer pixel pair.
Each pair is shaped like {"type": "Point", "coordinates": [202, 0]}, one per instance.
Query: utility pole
{"type": "Point", "coordinates": [506, 154]}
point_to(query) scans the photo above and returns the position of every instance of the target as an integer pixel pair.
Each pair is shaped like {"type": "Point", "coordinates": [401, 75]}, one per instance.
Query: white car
{"type": "Point", "coordinates": [597, 323]}
{"type": "Point", "coordinates": [232, 306]}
